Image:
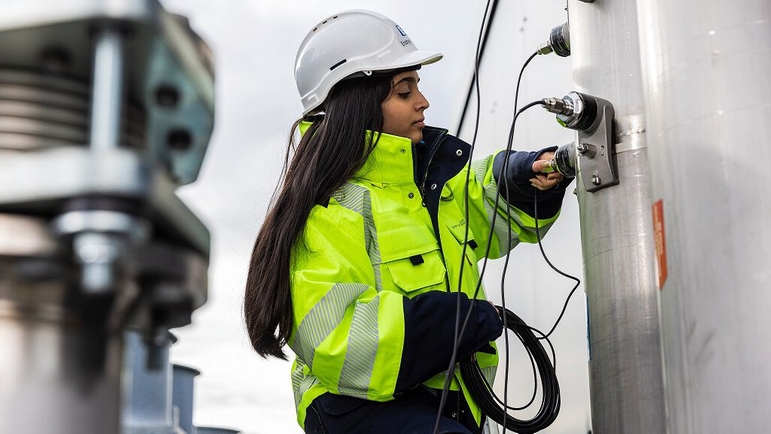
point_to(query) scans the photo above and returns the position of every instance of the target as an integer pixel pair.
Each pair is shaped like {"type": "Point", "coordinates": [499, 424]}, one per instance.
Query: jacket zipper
{"type": "Point", "coordinates": [431, 154]}
{"type": "Point", "coordinates": [435, 221]}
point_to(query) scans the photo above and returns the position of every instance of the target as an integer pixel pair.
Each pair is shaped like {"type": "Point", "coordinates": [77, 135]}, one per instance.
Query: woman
{"type": "Point", "coordinates": [359, 262]}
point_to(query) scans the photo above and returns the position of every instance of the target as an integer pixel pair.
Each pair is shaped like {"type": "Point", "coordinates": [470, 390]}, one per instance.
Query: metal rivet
{"type": "Point", "coordinates": [411, 195]}
{"type": "Point", "coordinates": [433, 186]}
{"type": "Point", "coordinates": [459, 153]}
{"type": "Point", "coordinates": [404, 150]}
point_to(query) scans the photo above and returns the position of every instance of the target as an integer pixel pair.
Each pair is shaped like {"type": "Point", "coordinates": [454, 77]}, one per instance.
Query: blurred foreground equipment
{"type": "Point", "coordinates": [106, 107]}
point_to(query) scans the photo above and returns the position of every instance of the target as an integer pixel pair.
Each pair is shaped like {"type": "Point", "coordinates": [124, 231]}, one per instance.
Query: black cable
{"type": "Point", "coordinates": [459, 333]}
{"type": "Point", "coordinates": [551, 399]}
{"type": "Point", "coordinates": [557, 270]}
{"type": "Point", "coordinates": [487, 400]}
{"type": "Point", "coordinates": [475, 79]}
{"type": "Point", "coordinates": [482, 394]}
{"type": "Point", "coordinates": [509, 146]}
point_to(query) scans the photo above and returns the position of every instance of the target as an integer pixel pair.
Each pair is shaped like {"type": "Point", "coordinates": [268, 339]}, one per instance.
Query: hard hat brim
{"type": "Point", "coordinates": [414, 58]}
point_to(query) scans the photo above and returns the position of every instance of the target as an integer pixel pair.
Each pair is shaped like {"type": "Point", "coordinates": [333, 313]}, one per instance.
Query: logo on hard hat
{"type": "Point", "coordinates": [404, 39]}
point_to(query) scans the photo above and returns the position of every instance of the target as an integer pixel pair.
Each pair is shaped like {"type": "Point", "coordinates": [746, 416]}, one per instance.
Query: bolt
{"type": "Point", "coordinates": [582, 148]}
{"type": "Point", "coordinates": [596, 179]}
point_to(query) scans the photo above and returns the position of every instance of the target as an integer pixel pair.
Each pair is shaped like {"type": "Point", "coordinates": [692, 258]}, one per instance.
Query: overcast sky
{"type": "Point", "coordinates": [255, 42]}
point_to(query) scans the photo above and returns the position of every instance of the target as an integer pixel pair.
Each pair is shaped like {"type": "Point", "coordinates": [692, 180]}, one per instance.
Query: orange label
{"type": "Point", "coordinates": [660, 238]}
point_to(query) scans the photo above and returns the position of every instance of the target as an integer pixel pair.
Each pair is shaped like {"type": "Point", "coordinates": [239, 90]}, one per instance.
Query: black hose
{"type": "Point", "coordinates": [482, 393]}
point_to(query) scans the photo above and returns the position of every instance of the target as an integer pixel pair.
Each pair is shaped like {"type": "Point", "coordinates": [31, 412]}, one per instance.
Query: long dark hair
{"type": "Point", "coordinates": [330, 152]}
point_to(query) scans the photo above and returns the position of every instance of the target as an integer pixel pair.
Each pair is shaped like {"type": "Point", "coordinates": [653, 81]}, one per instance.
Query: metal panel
{"type": "Point", "coordinates": [707, 95]}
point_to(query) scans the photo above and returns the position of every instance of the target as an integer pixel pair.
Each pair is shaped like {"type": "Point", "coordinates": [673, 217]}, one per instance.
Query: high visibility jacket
{"type": "Point", "coordinates": [375, 275]}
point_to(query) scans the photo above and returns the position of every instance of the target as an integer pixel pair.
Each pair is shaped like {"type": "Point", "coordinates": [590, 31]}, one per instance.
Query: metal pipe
{"type": "Point", "coordinates": [183, 395]}
{"type": "Point", "coordinates": [59, 365]}
{"type": "Point", "coordinates": [107, 97]}
{"type": "Point", "coordinates": [625, 372]}
{"type": "Point", "coordinates": [147, 388]}
{"type": "Point", "coordinates": [707, 100]}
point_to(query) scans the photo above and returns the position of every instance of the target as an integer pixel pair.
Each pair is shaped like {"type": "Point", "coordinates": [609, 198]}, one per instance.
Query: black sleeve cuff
{"type": "Point", "coordinates": [516, 188]}
{"type": "Point", "coordinates": [429, 328]}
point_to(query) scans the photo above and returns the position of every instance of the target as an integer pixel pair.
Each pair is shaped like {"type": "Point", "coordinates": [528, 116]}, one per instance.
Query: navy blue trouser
{"type": "Point", "coordinates": [413, 413]}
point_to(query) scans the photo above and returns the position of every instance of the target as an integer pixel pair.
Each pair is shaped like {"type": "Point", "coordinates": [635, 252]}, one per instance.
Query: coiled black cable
{"type": "Point", "coordinates": [550, 398]}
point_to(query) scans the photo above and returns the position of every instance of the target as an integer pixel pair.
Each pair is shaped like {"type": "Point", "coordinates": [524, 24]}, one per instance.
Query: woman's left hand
{"type": "Point", "coordinates": [544, 181]}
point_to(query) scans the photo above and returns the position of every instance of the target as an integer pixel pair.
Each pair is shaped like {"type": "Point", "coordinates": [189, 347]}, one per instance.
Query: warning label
{"type": "Point", "coordinates": [660, 238]}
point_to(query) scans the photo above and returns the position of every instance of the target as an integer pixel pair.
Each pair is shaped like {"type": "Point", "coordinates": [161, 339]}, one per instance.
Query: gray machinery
{"type": "Point", "coordinates": [106, 107]}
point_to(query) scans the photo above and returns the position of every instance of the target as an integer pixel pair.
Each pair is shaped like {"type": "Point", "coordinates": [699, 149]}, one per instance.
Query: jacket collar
{"type": "Point", "coordinates": [395, 160]}
{"type": "Point", "coordinates": [390, 162]}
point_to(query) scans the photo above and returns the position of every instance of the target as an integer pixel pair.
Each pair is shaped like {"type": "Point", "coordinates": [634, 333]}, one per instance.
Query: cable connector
{"type": "Point", "coordinates": [544, 48]}
{"type": "Point", "coordinates": [558, 43]}
{"type": "Point", "coordinates": [558, 106]}
{"type": "Point", "coordinates": [576, 111]}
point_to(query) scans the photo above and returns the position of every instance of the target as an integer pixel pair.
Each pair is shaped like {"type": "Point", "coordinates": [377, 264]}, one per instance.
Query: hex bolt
{"type": "Point", "coordinates": [582, 148]}
{"type": "Point", "coordinates": [596, 180]}
{"type": "Point", "coordinates": [97, 254]}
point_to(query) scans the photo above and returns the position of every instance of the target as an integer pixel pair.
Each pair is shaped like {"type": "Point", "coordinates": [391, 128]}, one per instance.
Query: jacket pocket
{"type": "Point", "coordinates": [418, 273]}
{"type": "Point", "coordinates": [411, 260]}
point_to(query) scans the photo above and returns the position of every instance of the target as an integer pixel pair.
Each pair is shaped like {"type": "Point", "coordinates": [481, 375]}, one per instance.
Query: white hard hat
{"type": "Point", "coordinates": [347, 43]}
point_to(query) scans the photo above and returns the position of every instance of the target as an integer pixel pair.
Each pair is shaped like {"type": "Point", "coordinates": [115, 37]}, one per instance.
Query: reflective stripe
{"type": "Point", "coordinates": [324, 318]}
{"type": "Point", "coordinates": [362, 349]}
{"type": "Point", "coordinates": [300, 382]}
{"type": "Point", "coordinates": [357, 199]}
{"type": "Point", "coordinates": [489, 373]}
{"type": "Point", "coordinates": [297, 377]}
{"type": "Point", "coordinates": [501, 227]}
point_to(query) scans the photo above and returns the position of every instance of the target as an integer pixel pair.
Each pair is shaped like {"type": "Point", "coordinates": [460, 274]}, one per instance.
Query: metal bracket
{"type": "Point", "coordinates": [596, 160]}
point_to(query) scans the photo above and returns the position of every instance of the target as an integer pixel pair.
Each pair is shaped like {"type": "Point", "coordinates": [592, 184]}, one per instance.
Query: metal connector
{"type": "Point", "coordinates": [564, 161]}
{"type": "Point", "coordinates": [544, 48]}
{"type": "Point", "coordinates": [558, 43]}
{"type": "Point", "coordinates": [592, 154]}
{"type": "Point", "coordinates": [558, 106]}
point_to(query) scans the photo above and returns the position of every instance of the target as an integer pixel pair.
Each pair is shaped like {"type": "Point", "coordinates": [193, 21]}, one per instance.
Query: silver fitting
{"type": "Point", "coordinates": [558, 106]}
{"type": "Point", "coordinates": [574, 119]}
{"type": "Point", "coordinates": [100, 242]}
{"type": "Point", "coordinates": [544, 48]}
